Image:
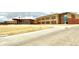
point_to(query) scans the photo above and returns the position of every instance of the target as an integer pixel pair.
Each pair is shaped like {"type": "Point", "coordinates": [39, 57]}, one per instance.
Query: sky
{"type": "Point", "coordinates": [43, 6]}
{"type": "Point", "coordinates": [7, 16]}
{"type": "Point", "coordinates": [21, 14]}
{"type": "Point", "coordinates": [39, 5]}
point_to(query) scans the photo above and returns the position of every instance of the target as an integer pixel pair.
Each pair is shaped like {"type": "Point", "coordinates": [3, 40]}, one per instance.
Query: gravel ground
{"type": "Point", "coordinates": [67, 37]}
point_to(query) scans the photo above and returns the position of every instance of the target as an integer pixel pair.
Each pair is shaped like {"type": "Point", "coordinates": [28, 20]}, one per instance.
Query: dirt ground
{"type": "Point", "coordinates": [67, 37]}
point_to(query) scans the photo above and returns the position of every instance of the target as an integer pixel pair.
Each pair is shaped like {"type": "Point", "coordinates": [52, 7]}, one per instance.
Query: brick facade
{"type": "Point", "coordinates": [58, 18]}
{"type": "Point", "coordinates": [73, 21]}
{"type": "Point", "coordinates": [24, 21]}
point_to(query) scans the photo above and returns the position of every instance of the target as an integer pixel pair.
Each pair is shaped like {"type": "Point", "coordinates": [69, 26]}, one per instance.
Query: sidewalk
{"type": "Point", "coordinates": [20, 38]}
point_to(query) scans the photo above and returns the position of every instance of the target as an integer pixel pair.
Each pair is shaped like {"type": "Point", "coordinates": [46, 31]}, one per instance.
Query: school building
{"type": "Point", "coordinates": [59, 18]}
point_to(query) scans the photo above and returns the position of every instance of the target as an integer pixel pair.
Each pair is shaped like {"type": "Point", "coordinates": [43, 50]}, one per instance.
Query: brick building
{"type": "Point", "coordinates": [10, 22]}
{"type": "Point", "coordinates": [59, 18]}
{"type": "Point", "coordinates": [49, 19]}
{"type": "Point", "coordinates": [24, 21]}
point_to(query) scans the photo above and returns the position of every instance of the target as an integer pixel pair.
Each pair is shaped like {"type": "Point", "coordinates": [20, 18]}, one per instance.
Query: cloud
{"type": "Point", "coordinates": [3, 18]}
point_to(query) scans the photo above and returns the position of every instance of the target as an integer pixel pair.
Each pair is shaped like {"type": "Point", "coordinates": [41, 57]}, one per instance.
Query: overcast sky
{"type": "Point", "coordinates": [39, 5]}
{"type": "Point", "coordinates": [43, 6]}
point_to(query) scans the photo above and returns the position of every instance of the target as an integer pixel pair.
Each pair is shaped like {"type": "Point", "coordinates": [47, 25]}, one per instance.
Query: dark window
{"type": "Point", "coordinates": [39, 23]}
{"type": "Point", "coordinates": [47, 17]}
{"type": "Point", "coordinates": [53, 22]}
{"type": "Point", "coordinates": [48, 22]}
{"type": "Point", "coordinates": [53, 17]}
{"type": "Point", "coordinates": [42, 18]}
{"type": "Point", "coordinates": [43, 22]}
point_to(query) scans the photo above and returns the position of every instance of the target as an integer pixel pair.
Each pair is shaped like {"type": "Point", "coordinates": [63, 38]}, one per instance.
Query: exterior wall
{"type": "Point", "coordinates": [61, 19]}
{"type": "Point", "coordinates": [70, 15]}
{"type": "Point", "coordinates": [77, 16]}
{"type": "Point", "coordinates": [73, 21]}
{"type": "Point", "coordinates": [49, 19]}
{"type": "Point", "coordinates": [11, 22]}
{"type": "Point", "coordinates": [24, 21]}
{"type": "Point", "coordinates": [54, 18]}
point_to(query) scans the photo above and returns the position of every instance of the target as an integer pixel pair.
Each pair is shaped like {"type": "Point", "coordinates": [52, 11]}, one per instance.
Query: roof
{"type": "Point", "coordinates": [21, 19]}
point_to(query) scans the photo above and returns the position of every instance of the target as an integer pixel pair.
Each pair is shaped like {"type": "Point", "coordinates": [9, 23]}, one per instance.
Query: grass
{"type": "Point", "coordinates": [16, 29]}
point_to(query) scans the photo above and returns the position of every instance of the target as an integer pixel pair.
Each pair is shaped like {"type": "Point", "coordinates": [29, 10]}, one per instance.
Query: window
{"type": "Point", "coordinates": [48, 22]}
{"type": "Point", "coordinates": [39, 22]}
{"type": "Point", "coordinates": [47, 17]}
{"type": "Point", "coordinates": [73, 16]}
{"type": "Point", "coordinates": [42, 18]}
{"type": "Point", "coordinates": [43, 22]}
{"type": "Point", "coordinates": [53, 17]}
